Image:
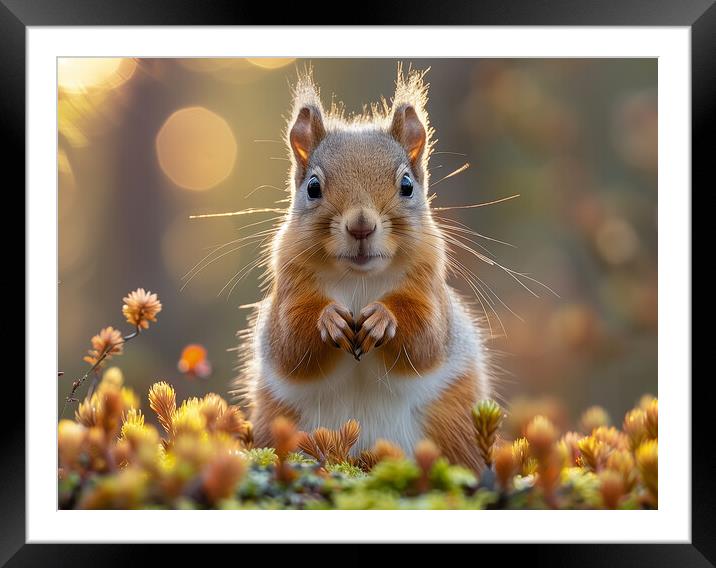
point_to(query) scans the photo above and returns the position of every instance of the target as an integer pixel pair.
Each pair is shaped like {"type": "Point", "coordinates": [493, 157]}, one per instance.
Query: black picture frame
{"type": "Point", "coordinates": [699, 15]}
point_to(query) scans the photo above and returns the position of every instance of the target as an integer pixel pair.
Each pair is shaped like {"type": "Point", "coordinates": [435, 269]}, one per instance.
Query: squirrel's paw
{"type": "Point", "coordinates": [376, 325]}
{"type": "Point", "coordinates": [336, 327]}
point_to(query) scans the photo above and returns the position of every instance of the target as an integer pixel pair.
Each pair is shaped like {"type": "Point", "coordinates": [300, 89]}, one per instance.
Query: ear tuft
{"type": "Point", "coordinates": [407, 129]}
{"type": "Point", "coordinates": [305, 127]}
{"type": "Point", "coordinates": [306, 133]}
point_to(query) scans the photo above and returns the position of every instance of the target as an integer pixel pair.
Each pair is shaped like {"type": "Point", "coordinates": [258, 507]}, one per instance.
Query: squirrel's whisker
{"type": "Point", "coordinates": [198, 266]}
{"type": "Point", "coordinates": [472, 280]}
{"type": "Point", "coordinates": [241, 212]}
{"type": "Point", "coordinates": [459, 269]}
{"type": "Point", "coordinates": [461, 169]}
{"type": "Point", "coordinates": [451, 153]}
{"type": "Point", "coordinates": [476, 205]}
{"type": "Point", "coordinates": [213, 260]}
{"type": "Point", "coordinates": [263, 186]}
{"type": "Point", "coordinates": [465, 229]}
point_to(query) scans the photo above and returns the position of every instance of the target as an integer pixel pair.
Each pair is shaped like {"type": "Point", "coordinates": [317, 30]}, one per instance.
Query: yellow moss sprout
{"type": "Point", "coordinates": [611, 488]}
{"type": "Point", "coordinates": [652, 419]}
{"type": "Point", "coordinates": [647, 460]}
{"type": "Point", "coordinates": [568, 447]}
{"type": "Point", "coordinates": [594, 417]}
{"type": "Point", "coordinates": [525, 463]}
{"type": "Point", "coordinates": [163, 401]}
{"type": "Point", "coordinates": [486, 417]}
{"type": "Point", "coordinates": [382, 450]}
{"type": "Point", "coordinates": [612, 437]}
{"type": "Point", "coordinates": [541, 435]}
{"type": "Point", "coordinates": [593, 452]}
{"type": "Point", "coordinates": [634, 427]}
{"type": "Point", "coordinates": [622, 462]}
{"type": "Point", "coordinates": [286, 438]}
{"type": "Point", "coordinates": [506, 466]}
{"type": "Point", "coordinates": [330, 446]}
{"type": "Point", "coordinates": [221, 476]}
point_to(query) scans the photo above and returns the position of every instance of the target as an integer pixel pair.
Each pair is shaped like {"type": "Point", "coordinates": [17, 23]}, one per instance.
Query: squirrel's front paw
{"type": "Point", "coordinates": [376, 325]}
{"type": "Point", "coordinates": [336, 326]}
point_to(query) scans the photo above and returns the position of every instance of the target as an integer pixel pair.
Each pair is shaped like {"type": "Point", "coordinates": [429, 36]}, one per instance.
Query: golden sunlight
{"type": "Point", "coordinates": [270, 62]}
{"type": "Point", "coordinates": [196, 148]}
{"type": "Point", "coordinates": [80, 74]}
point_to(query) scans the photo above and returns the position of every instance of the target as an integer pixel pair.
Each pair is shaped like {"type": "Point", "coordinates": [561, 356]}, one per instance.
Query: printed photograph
{"type": "Point", "coordinates": [357, 283]}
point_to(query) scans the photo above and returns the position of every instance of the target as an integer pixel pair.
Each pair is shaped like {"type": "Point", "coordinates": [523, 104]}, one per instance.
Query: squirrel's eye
{"type": "Point", "coordinates": [406, 186]}
{"type": "Point", "coordinates": [314, 188]}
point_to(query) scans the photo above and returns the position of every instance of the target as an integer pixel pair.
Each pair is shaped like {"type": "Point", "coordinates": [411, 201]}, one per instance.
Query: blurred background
{"type": "Point", "coordinates": [145, 143]}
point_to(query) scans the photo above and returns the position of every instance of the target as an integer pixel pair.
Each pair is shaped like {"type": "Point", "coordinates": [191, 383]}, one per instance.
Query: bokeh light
{"type": "Point", "coordinates": [270, 62]}
{"type": "Point", "coordinates": [635, 130]}
{"type": "Point", "coordinates": [617, 241]}
{"type": "Point", "coordinates": [205, 64]}
{"type": "Point", "coordinates": [91, 96]}
{"type": "Point", "coordinates": [196, 148]}
{"type": "Point", "coordinates": [237, 71]}
{"type": "Point", "coordinates": [80, 74]}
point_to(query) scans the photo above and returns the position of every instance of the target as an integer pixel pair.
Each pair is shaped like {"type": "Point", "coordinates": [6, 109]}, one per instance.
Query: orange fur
{"type": "Point", "coordinates": [449, 423]}
{"type": "Point", "coordinates": [297, 347]}
{"type": "Point", "coordinates": [422, 324]}
{"type": "Point", "coordinates": [264, 411]}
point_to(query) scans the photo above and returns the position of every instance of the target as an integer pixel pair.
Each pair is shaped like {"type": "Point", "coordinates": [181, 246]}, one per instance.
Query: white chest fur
{"type": "Point", "coordinates": [386, 404]}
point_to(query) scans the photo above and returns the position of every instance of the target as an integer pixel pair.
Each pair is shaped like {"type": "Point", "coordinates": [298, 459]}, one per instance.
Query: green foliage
{"type": "Point", "coordinates": [392, 475]}
{"type": "Point", "coordinates": [345, 469]}
{"type": "Point", "coordinates": [263, 457]}
{"type": "Point", "coordinates": [446, 477]}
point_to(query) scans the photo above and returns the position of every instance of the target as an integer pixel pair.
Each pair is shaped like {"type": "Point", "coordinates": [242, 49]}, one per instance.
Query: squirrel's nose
{"type": "Point", "coordinates": [360, 229]}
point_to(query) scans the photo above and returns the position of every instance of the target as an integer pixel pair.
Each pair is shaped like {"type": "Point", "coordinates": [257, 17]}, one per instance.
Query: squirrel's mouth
{"type": "Point", "coordinates": [361, 259]}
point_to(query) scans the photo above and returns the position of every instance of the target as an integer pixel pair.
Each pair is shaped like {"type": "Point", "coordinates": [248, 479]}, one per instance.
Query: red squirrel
{"type": "Point", "coordinates": [359, 321]}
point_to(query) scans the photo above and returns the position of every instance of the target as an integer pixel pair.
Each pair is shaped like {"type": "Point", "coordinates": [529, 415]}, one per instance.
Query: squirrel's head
{"type": "Point", "coordinates": [359, 184]}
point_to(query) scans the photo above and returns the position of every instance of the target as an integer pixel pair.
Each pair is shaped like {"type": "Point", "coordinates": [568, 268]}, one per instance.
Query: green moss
{"type": "Point", "coordinates": [581, 486]}
{"type": "Point", "coordinates": [446, 477]}
{"type": "Point", "coordinates": [262, 457]}
{"type": "Point", "coordinates": [392, 474]}
{"type": "Point", "coordinates": [367, 499]}
{"type": "Point", "coordinates": [439, 500]}
{"type": "Point", "coordinates": [346, 469]}
{"type": "Point", "coordinates": [299, 458]}
{"type": "Point", "coordinates": [67, 488]}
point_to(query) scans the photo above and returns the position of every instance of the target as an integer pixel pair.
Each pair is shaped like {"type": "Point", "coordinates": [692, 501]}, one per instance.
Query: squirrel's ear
{"type": "Point", "coordinates": [407, 129]}
{"type": "Point", "coordinates": [306, 133]}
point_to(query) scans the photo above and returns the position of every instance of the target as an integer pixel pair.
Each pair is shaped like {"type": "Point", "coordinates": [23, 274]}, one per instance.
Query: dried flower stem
{"type": "Point", "coordinates": [93, 369]}
{"type": "Point", "coordinates": [95, 383]}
